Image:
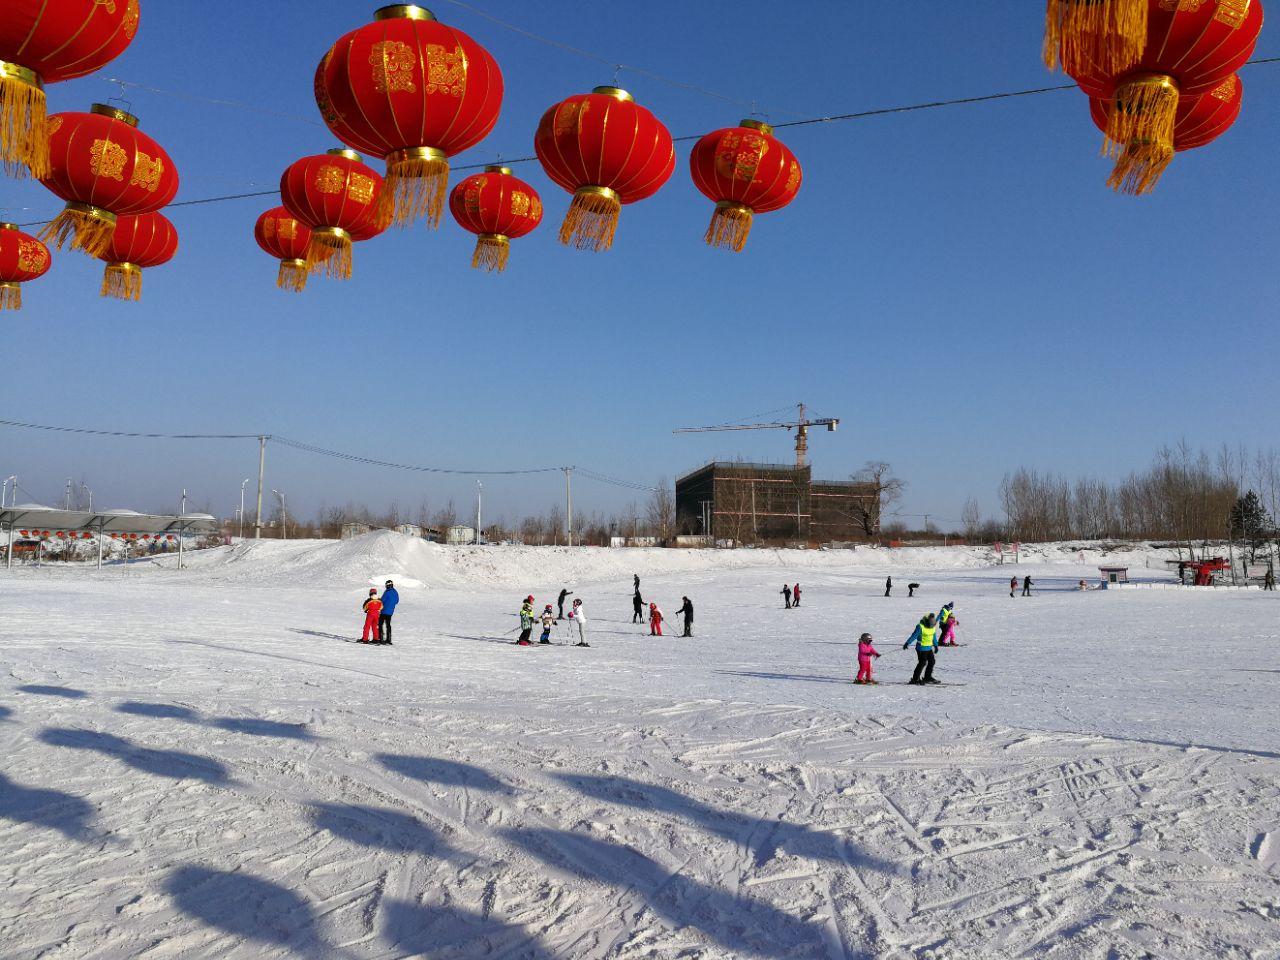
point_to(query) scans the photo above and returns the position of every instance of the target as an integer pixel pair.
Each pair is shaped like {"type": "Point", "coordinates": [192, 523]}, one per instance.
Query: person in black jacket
{"type": "Point", "coordinates": [1026, 586]}
{"type": "Point", "coordinates": [888, 586]}
{"type": "Point", "coordinates": [563, 593]}
{"type": "Point", "coordinates": [637, 607]}
{"type": "Point", "coordinates": [786, 595]}
{"type": "Point", "coordinates": [687, 612]}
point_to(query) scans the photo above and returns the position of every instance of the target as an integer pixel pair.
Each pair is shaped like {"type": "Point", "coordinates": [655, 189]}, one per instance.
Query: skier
{"type": "Point", "coordinates": [560, 603]}
{"type": "Point", "coordinates": [1269, 579]}
{"type": "Point", "coordinates": [548, 620]}
{"type": "Point", "coordinates": [866, 650]}
{"type": "Point", "coordinates": [577, 616]}
{"type": "Point", "coordinates": [655, 620]}
{"type": "Point", "coordinates": [686, 611]}
{"type": "Point", "coordinates": [636, 578]}
{"type": "Point", "coordinates": [390, 599]}
{"type": "Point", "coordinates": [888, 586]}
{"type": "Point", "coordinates": [1013, 585]}
{"type": "Point", "coordinates": [786, 595]}
{"type": "Point", "coordinates": [925, 638]}
{"type": "Point", "coordinates": [372, 611]}
{"type": "Point", "coordinates": [526, 621]}
{"type": "Point", "coordinates": [911, 589]}
{"type": "Point", "coordinates": [795, 595]}
{"type": "Point", "coordinates": [947, 624]}
{"type": "Point", "coordinates": [637, 607]}
{"type": "Point", "coordinates": [1026, 585]}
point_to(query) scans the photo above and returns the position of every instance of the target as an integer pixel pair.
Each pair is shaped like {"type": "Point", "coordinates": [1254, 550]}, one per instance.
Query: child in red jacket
{"type": "Point", "coordinates": [866, 650]}
{"type": "Point", "coordinates": [372, 610]}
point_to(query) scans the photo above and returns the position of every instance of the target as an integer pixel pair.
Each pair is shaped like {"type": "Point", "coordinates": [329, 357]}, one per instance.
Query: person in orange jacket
{"type": "Point", "coordinates": [655, 620]}
{"type": "Point", "coordinates": [372, 611]}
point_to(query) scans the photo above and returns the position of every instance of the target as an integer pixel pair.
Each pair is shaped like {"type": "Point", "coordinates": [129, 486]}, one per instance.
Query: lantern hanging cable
{"type": "Point", "coordinates": [812, 121]}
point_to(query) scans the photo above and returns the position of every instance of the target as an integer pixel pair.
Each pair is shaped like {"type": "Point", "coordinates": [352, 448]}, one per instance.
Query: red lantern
{"type": "Point", "coordinates": [23, 532]}
{"type": "Point", "coordinates": [43, 42]}
{"type": "Point", "coordinates": [104, 167]}
{"type": "Point", "coordinates": [147, 240]}
{"type": "Point", "coordinates": [1111, 33]}
{"type": "Point", "coordinates": [22, 258]}
{"type": "Point", "coordinates": [335, 195]}
{"type": "Point", "coordinates": [414, 92]}
{"type": "Point", "coordinates": [286, 238]}
{"type": "Point", "coordinates": [606, 150]}
{"type": "Point", "coordinates": [1200, 120]}
{"type": "Point", "coordinates": [498, 207]}
{"type": "Point", "coordinates": [1191, 50]}
{"type": "Point", "coordinates": [745, 171]}
{"type": "Point", "coordinates": [61, 535]}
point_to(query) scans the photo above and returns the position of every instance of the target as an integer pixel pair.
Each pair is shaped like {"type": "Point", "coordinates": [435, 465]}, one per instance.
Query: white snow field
{"type": "Point", "coordinates": [199, 764]}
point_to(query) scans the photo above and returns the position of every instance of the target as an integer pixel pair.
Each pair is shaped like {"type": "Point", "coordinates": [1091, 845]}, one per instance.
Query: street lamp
{"type": "Point", "coordinates": [85, 487]}
{"type": "Point", "coordinates": [242, 483]}
{"type": "Point", "coordinates": [479, 497]}
{"type": "Point", "coordinates": [284, 516]}
{"type": "Point", "coordinates": [4, 490]}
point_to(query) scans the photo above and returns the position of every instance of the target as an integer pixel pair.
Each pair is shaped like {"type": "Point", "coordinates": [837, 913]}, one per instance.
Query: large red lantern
{"type": "Point", "coordinates": [1110, 33]}
{"type": "Point", "coordinates": [286, 238]}
{"type": "Point", "coordinates": [498, 208]}
{"type": "Point", "coordinates": [22, 258]}
{"type": "Point", "coordinates": [414, 92]}
{"type": "Point", "coordinates": [139, 242]}
{"type": "Point", "coordinates": [607, 151]}
{"type": "Point", "coordinates": [104, 167]}
{"type": "Point", "coordinates": [43, 42]}
{"type": "Point", "coordinates": [746, 171]}
{"type": "Point", "coordinates": [1191, 50]}
{"type": "Point", "coordinates": [335, 195]}
{"type": "Point", "coordinates": [1200, 120]}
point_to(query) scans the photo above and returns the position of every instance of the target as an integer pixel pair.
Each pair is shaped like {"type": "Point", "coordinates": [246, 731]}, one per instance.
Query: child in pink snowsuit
{"type": "Point", "coordinates": [865, 652]}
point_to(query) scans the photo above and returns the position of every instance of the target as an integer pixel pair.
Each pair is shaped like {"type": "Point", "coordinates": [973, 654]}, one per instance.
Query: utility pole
{"type": "Point", "coordinates": [68, 496]}
{"type": "Point", "coordinates": [242, 486]}
{"type": "Point", "coordinates": [568, 496]}
{"type": "Point", "coordinates": [84, 486]}
{"type": "Point", "coordinates": [262, 459]}
{"type": "Point", "coordinates": [284, 516]}
{"type": "Point", "coordinates": [5, 489]}
{"type": "Point", "coordinates": [479, 501]}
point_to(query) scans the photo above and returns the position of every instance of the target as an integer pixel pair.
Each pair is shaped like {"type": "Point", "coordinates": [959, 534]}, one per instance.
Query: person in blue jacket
{"type": "Point", "coordinates": [925, 637]}
{"type": "Point", "coordinates": [389, 600]}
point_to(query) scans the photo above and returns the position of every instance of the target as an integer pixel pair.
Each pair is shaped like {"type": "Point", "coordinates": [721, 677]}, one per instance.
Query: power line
{"type": "Point", "coordinates": [124, 433]}
{"type": "Point", "coordinates": [354, 458]}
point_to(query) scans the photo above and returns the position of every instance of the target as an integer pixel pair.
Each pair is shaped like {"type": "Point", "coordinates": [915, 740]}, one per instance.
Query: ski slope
{"type": "Point", "coordinates": [199, 763]}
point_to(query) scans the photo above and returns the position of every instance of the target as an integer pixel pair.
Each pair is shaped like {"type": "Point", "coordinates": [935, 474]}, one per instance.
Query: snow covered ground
{"type": "Point", "coordinates": [199, 764]}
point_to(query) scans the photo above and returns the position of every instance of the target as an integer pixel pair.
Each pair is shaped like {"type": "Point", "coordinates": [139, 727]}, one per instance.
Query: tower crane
{"type": "Point", "coordinates": [800, 425]}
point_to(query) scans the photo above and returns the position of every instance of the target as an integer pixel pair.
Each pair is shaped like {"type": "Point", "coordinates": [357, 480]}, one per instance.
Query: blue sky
{"type": "Point", "coordinates": [957, 285]}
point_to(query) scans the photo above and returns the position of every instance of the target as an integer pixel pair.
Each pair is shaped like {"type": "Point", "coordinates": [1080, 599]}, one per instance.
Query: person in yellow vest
{"type": "Point", "coordinates": [925, 637]}
{"type": "Point", "coordinates": [947, 623]}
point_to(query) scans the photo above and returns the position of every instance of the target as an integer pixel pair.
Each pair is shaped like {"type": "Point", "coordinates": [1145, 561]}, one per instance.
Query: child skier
{"type": "Point", "coordinates": [866, 650]}
{"type": "Point", "coordinates": [795, 595]}
{"type": "Point", "coordinates": [579, 618]}
{"type": "Point", "coordinates": [1013, 585]}
{"type": "Point", "coordinates": [947, 624]}
{"type": "Point", "coordinates": [526, 621]}
{"type": "Point", "coordinates": [655, 620]}
{"type": "Point", "coordinates": [548, 618]}
{"type": "Point", "coordinates": [925, 637]}
{"type": "Point", "coordinates": [372, 611]}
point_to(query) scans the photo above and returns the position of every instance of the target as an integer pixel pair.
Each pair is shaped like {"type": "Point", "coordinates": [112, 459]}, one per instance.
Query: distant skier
{"type": "Point", "coordinates": [636, 577]}
{"type": "Point", "coordinates": [637, 607]}
{"type": "Point", "coordinates": [888, 586]}
{"type": "Point", "coordinates": [390, 600]}
{"type": "Point", "coordinates": [866, 650]}
{"type": "Point", "coordinates": [372, 611]}
{"type": "Point", "coordinates": [548, 619]}
{"type": "Point", "coordinates": [786, 596]}
{"type": "Point", "coordinates": [1269, 579]}
{"type": "Point", "coordinates": [655, 620]}
{"type": "Point", "coordinates": [947, 624]}
{"type": "Point", "coordinates": [526, 621]}
{"type": "Point", "coordinates": [911, 589]}
{"type": "Point", "coordinates": [1013, 585]}
{"type": "Point", "coordinates": [925, 637]}
{"type": "Point", "coordinates": [686, 611]}
{"type": "Point", "coordinates": [1026, 585]}
{"type": "Point", "coordinates": [795, 595]}
{"type": "Point", "coordinates": [564, 592]}
{"type": "Point", "coordinates": [578, 618]}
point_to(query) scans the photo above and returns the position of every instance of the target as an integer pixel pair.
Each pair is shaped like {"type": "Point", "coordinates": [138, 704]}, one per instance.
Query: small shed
{"type": "Point", "coordinates": [353, 530]}
{"type": "Point", "coordinates": [1114, 574]}
{"type": "Point", "coordinates": [409, 529]}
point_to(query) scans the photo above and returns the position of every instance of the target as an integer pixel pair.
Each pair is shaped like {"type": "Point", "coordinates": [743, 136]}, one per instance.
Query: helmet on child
{"type": "Point", "coordinates": [865, 636]}
{"type": "Point", "coordinates": [373, 591]}
{"type": "Point", "coordinates": [548, 607]}
{"type": "Point", "coordinates": [578, 602]}
{"type": "Point", "coordinates": [529, 598]}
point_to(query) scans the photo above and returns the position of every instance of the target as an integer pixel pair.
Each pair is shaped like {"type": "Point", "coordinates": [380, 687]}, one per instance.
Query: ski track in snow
{"type": "Point", "coordinates": [194, 765]}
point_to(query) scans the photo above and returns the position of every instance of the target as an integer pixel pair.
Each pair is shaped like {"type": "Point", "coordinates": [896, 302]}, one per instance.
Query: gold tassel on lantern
{"type": "Point", "coordinates": [88, 228]}
{"type": "Point", "coordinates": [293, 275]}
{"type": "Point", "coordinates": [330, 253]}
{"type": "Point", "coordinates": [492, 252]}
{"type": "Point", "coordinates": [1095, 35]}
{"type": "Point", "coordinates": [414, 187]}
{"type": "Point", "coordinates": [10, 296]}
{"type": "Point", "coordinates": [730, 226]}
{"type": "Point", "coordinates": [592, 219]}
{"type": "Point", "coordinates": [122, 281]}
{"type": "Point", "coordinates": [24, 127]}
{"type": "Point", "coordinates": [1140, 132]}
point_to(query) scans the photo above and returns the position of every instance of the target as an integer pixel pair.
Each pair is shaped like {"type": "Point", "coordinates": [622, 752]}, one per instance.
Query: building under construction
{"type": "Point", "coordinates": [760, 502]}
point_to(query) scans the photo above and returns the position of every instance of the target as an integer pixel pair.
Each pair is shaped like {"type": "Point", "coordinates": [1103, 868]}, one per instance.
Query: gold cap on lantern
{"type": "Point", "coordinates": [616, 92]}
{"type": "Point", "coordinates": [403, 11]}
{"type": "Point", "coordinates": [115, 113]}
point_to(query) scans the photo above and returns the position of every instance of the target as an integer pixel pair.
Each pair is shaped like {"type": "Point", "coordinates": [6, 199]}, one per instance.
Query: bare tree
{"type": "Point", "coordinates": [660, 511]}
{"type": "Point", "coordinates": [971, 516]}
{"type": "Point", "coordinates": [887, 490]}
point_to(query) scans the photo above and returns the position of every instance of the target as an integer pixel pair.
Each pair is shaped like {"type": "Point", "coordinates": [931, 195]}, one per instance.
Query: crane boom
{"type": "Point", "coordinates": [801, 425]}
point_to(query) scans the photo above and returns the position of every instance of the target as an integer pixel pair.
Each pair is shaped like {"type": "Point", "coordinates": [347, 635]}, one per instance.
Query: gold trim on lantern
{"type": "Point", "coordinates": [592, 219]}
{"type": "Point", "coordinates": [10, 295]}
{"type": "Point", "coordinates": [330, 252]}
{"type": "Point", "coordinates": [115, 113]}
{"type": "Point", "coordinates": [497, 168]}
{"type": "Point", "coordinates": [8, 226]}
{"type": "Point", "coordinates": [293, 275]}
{"type": "Point", "coordinates": [730, 226]}
{"type": "Point", "coordinates": [605, 192]}
{"type": "Point", "coordinates": [403, 11]}
{"type": "Point", "coordinates": [765, 128]}
{"type": "Point", "coordinates": [414, 187]}
{"type": "Point", "coordinates": [415, 153]}
{"type": "Point", "coordinates": [122, 281]}
{"type": "Point", "coordinates": [491, 253]}
{"type": "Point", "coordinates": [616, 92]}
{"type": "Point", "coordinates": [16, 71]}
{"type": "Point", "coordinates": [89, 228]}
{"type": "Point", "coordinates": [1141, 126]}
{"type": "Point", "coordinates": [345, 152]}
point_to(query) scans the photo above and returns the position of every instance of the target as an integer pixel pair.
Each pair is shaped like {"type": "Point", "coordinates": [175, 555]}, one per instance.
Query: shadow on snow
{"type": "Point", "coordinates": [447, 773]}
{"type": "Point", "coordinates": [64, 812]}
{"type": "Point", "coordinates": [71, 693]}
{"type": "Point", "coordinates": [162, 763]}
